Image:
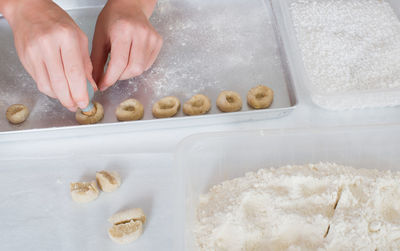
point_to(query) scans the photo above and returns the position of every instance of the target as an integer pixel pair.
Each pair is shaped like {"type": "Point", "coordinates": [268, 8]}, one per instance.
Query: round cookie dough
{"type": "Point", "coordinates": [229, 101]}
{"type": "Point", "coordinates": [130, 109]}
{"type": "Point", "coordinates": [166, 107]}
{"type": "Point", "coordinates": [17, 113]}
{"type": "Point", "coordinates": [93, 119]}
{"type": "Point", "coordinates": [198, 104]}
{"type": "Point", "coordinates": [260, 97]}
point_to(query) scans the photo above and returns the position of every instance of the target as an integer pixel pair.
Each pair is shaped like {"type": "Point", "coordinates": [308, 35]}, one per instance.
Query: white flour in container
{"type": "Point", "coordinates": [349, 46]}
{"type": "Point", "coordinates": [311, 207]}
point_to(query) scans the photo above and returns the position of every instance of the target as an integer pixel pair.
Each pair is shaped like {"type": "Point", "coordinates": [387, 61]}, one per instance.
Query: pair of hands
{"type": "Point", "coordinates": [54, 50]}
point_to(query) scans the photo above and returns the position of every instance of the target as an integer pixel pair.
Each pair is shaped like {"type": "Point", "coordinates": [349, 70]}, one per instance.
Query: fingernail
{"type": "Point", "coordinates": [82, 104]}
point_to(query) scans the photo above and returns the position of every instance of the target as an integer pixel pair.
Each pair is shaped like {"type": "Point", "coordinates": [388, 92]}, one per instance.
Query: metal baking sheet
{"type": "Point", "coordinates": [208, 47]}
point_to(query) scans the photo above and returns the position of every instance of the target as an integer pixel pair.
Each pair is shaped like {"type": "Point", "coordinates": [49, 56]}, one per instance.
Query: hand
{"type": "Point", "coordinates": [53, 50]}
{"type": "Point", "coordinates": [123, 30]}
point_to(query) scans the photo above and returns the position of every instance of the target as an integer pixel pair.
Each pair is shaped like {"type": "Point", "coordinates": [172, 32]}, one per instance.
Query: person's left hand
{"type": "Point", "coordinates": [124, 31]}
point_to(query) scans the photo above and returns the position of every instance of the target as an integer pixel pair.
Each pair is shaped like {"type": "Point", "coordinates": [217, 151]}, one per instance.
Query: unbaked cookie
{"type": "Point", "coordinates": [229, 101]}
{"type": "Point", "coordinates": [198, 104]}
{"type": "Point", "coordinates": [83, 192]}
{"type": "Point", "coordinates": [260, 97]}
{"type": "Point", "coordinates": [17, 113]}
{"type": "Point", "coordinates": [108, 181]}
{"type": "Point", "coordinates": [84, 119]}
{"type": "Point", "coordinates": [130, 109]}
{"type": "Point", "coordinates": [127, 225]}
{"type": "Point", "coordinates": [166, 107]}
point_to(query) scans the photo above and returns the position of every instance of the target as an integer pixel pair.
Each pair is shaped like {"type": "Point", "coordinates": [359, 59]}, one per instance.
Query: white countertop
{"type": "Point", "coordinates": [31, 164]}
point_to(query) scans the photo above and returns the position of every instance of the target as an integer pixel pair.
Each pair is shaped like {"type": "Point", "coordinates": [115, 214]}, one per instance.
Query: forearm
{"type": "Point", "coordinates": [147, 6]}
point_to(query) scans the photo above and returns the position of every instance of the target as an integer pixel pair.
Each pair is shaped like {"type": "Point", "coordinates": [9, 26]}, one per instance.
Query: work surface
{"type": "Point", "coordinates": [36, 168]}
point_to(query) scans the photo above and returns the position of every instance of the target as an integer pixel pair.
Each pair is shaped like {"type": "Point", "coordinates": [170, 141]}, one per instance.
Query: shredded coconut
{"type": "Point", "coordinates": [311, 207]}
{"type": "Point", "coordinates": [348, 46]}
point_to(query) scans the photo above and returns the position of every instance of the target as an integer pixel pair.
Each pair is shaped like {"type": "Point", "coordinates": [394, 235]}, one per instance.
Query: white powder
{"type": "Point", "coordinates": [349, 46]}
{"type": "Point", "coordinates": [292, 208]}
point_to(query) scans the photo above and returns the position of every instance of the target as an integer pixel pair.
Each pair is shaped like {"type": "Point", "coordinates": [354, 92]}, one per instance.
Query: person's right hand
{"type": "Point", "coordinates": [53, 50]}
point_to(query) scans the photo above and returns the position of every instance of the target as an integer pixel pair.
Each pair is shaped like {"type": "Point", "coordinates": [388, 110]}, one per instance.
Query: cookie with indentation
{"type": "Point", "coordinates": [17, 113]}
{"type": "Point", "coordinates": [83, 192]}
{"type": "Point", "coordinates": [108, 181]}
{"type": "Point", "coordinates": [260, 97]}
{"type": "Point", "coordinates": [229, 101]}
{"type": "Point", "coordinates": [198, 104]}
{"type": "Point", "coordinates": [127, 225]}
{"type": "Point", "coordinates": [166, 107]}
{"type": "Point", "coordinates": [85, 119]}
{"type": "Point", "coordinates": [130, 109]}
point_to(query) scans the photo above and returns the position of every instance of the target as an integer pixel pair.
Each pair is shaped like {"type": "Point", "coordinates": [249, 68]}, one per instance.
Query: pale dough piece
{"type": "Point", "coordinates": [260, 97]}
{"type": "Point", "coordinates": [83, 192]}
{"type": "Point", "coordinates": [166, 107]}
{"type": "Point", "coordinates": [198, 104]}
{"type": "Point", "coordinates": [108, 181]}
{"type": "Point", "coordinates": [85, 119]}
{"type": "Point", "coordinates": [17, 113]}
{"type": "Point", "coordinates": [127, 225]}
{"type": "Point", "coordinates": [130, 109]}
{"type": "Point", "coordinates": [229, 101]}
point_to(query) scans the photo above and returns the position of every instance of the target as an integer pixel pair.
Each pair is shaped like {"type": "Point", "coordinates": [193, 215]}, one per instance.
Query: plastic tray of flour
{"type": "Point", "coordinates": [335, 101]}
{"type": "Point", "coordinates": [205, 160]}
{"type": "Point", "coordinates": [209, 46]}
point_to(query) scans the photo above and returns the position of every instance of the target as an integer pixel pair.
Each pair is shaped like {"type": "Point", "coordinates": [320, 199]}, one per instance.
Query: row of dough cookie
{"type": "Point", "coordinates": [259, 97]}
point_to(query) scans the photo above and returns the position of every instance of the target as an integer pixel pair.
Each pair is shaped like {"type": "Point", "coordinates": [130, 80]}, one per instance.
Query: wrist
{"type": "Point", "coordinates": [9, 8]}
{"type": "Point", "coordinates": [146, 6]}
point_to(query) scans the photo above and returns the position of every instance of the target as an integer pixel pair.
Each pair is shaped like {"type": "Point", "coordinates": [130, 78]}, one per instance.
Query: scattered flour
{"type": "Point", "coordinates": [312, 207]}
{"type": "Point", "coordinates": [348, 45]}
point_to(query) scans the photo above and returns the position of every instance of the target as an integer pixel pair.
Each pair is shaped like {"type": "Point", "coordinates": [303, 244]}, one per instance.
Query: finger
{"type": "Point", "coordinates": [99, 55]}
{"type": "Point", "coordinates": [74, 70]}
{"type": "Point", "coordinates": [137, 59]}
{"type": "Point", "coordinates": [120, 50]}
{"type": "Point", "coordinates": [154, 54]}
{"type": "Point", "coordinates": [88, 67]}
{"type": "Point", "coordinates": [41, 77]}
{"type": "Point", "coordinates": [38, 72]}
{"type": "Point", "coordinates": [57, 78]}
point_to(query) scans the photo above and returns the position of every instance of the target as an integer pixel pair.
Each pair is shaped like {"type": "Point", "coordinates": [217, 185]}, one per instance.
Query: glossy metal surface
{"type": "Point", "coordinates": [208, 47]}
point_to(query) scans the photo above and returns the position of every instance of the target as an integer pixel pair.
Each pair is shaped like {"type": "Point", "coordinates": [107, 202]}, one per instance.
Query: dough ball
{"type": "Point", "coordinates": [127, 225]}
{"type": "Point", "coordinates": [130, 109]}
{"type": "Point", "coordinates": [108, 181]}
{"type": "Point", "coordinates": [83, 192]}
{"type": "Point", "coordinates": [229, 101]}
{"type": "Point", "coordinates": [198, 104]}
{"type": "Point", "coordinates": [260, 97]}
{"type": "Point", "coordinates": [93, 119]}
{"type": "Point", "coordinates": [166, 107]}
{"type": "Point", "coordinates": [17, 113]}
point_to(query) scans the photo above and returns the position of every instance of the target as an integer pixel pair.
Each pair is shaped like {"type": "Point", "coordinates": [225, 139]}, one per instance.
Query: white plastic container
{"type": "Point", "coordinates": [335, 101]}
{"type": "Point", "coordinates": [205, 160]}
